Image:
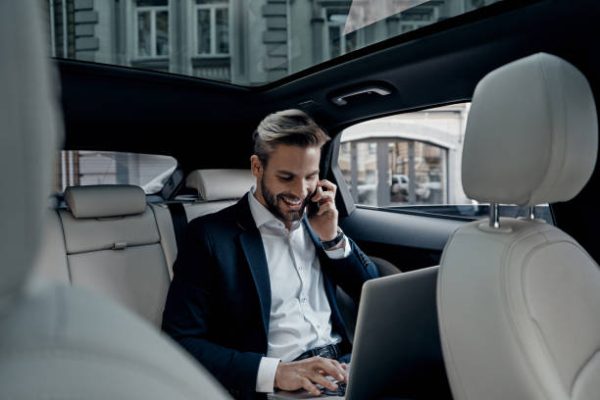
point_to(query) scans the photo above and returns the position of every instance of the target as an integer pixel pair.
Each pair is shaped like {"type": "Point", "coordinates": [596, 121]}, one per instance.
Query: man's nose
{"type": "Point", "coordinates": [300, 189]}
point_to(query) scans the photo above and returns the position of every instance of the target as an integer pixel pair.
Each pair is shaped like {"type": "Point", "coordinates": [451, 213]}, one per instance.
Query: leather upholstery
{"type": "Point", "coordinates": [528, 137]}
{"type": "Point", "coordinates": [29, 126]}
{"type": "Point", "coordinates": [98, 201]}
{"type": "Point", "coordinates": [51, 262]}
{"type": "Point", "coordinates": [121, 257]}
{"type": "Point", "coordinates": [220, 184]}
{"type": "Point", "coordinates": [63, 343]}
{"type": "Point", "coordinates": [91, 234]}
{"type": "Point", "coordinates": [166, 230]}
{"type": "Point", "coordinates": [518, 306]}
{"type": "Point", "coordinates": [200, 208]}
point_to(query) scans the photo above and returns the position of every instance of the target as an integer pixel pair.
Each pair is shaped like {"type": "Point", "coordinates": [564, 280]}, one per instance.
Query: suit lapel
{"type": "Point", "coordinates": [252, 246]}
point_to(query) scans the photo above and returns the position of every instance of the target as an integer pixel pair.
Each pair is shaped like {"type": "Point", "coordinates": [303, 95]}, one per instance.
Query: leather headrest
{"type": "Point", "coordinates": [100, 201]}
{"type": "Point", "coordinates": [29, 129]}
{"type": "Point", "coordinates": [220, 184]}
{"type": "Point", "coordinates": [532, 134]}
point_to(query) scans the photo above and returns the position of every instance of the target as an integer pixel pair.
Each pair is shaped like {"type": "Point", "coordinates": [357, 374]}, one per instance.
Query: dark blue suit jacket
{"type": "Point", "coordinates": [219, 301]}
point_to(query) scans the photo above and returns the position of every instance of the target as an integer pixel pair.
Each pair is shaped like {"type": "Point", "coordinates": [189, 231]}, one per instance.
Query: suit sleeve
{"type": "Point", "coordinates": [351, 272]}
{"type": "Point", "coordinates": [189, 313]}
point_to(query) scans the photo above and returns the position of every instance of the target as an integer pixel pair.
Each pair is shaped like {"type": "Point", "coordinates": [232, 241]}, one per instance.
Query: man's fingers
{"type": "Point", "coordinates": [310, 387]}
{"type": "Point", "coordinates": [326, 197]}
{"type": "Point", "coordinates": [325, 188]}
{"type": "Point", "coordinates": [330, 367]}
{"type": "Point", "coordinates": [323, 381]}
{"type": "Point", "coordinates": [326, 207]}
{"type": "Point", "coordinates": [328, 185]}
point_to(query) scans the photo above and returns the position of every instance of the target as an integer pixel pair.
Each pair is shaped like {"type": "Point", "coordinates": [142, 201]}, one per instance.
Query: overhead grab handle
{"type": "Point", "coordinates": [342, 99]}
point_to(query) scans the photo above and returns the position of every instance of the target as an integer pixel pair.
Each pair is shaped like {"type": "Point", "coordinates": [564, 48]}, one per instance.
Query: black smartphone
{"type": "Point", "coordinates": [312, 206]}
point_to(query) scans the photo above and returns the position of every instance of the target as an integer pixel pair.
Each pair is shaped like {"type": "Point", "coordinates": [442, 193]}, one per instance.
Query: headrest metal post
{"type": "Point", "coordinates": [531, 213]}
{"type": "Point", "coordinates": [494, 216]}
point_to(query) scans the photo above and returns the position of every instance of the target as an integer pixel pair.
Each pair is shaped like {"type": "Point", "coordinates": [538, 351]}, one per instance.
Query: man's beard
{"type": "Point", "coordinates": [271, 201]}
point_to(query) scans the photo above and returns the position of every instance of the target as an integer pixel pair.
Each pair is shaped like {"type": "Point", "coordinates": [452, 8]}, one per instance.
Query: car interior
{"type": "Point", "coordinates": [517, 298]}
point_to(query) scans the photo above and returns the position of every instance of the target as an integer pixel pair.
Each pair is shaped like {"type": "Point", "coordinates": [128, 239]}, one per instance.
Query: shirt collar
{"type": "Point", "coordinates": [263, 217]}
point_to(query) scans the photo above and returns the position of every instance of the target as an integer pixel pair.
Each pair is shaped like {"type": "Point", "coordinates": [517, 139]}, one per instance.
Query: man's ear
{"type": "Point", "coordinates": [256, 166]}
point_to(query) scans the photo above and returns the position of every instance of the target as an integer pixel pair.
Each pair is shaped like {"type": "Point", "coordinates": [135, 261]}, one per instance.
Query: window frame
{"type": "Point", "coordinates": [153, 10]}
{"type": "Point", "coordinates": [212, 8]}
{"type": "Point", "coordinates": [81, 168]}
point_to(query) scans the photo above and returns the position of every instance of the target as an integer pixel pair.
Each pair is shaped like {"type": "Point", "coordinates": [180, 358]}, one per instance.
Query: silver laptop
{"type": "Point", "coordinates": [397, 351]}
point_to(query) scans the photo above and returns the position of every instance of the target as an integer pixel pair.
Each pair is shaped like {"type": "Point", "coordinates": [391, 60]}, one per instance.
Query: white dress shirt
{"type": "Point", "coordinates": [300, 317]}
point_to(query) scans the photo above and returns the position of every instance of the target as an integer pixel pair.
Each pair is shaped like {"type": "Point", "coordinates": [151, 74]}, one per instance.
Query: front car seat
{"type": "Point", "coordinates": [57, 342]}
{"type": "Point", "coordinates": [518, 299]}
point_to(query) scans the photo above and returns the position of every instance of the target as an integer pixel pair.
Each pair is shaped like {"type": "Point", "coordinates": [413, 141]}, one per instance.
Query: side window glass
{"type": "Point", "coordinates": [411, 162]}
{"type": "Point", "coordinates": [80, 168]}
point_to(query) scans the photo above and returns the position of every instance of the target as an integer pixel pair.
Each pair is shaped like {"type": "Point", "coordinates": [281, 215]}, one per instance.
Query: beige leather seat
{"type": "Point", "coordinates": [57, 342]}
{"type": "Point", "coordinates": [217, 189]}
{"type": "Point", "coordinates": [114, 247]}
{"type": "Point", "coordinates": [519, 302]}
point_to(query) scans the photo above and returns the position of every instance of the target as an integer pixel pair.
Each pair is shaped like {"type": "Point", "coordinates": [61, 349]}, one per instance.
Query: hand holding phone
{"type": "Point", "coordinates": [321, 210]}
{"type": "Point", "coordinates": [312, 208]}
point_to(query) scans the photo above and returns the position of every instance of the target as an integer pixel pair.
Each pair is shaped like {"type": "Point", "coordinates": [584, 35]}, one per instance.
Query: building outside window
{"type": "Point", "coordinates": [151, 29]}
{"type": "Point", "coordinates": [212, 28]}
{"type": "Point", "coordinates": [243, 42]}
{"type": "Point", "coordinates": [406, 159]}
{"type": "Point", "coordinates": [337, 42]}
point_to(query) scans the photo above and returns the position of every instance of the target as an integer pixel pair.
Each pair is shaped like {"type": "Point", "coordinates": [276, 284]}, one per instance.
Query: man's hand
{"type": "Point", "coordinates": [305, 374]}
{"type": "Point", "coordinates": [325, 221]}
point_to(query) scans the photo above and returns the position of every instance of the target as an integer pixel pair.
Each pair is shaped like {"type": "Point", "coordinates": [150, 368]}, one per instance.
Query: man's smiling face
{"type": "Point", "coordinates": [285, 183]}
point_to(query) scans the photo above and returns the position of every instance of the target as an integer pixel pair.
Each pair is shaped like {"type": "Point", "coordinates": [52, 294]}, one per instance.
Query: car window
{"type": "Point", "coordinates": [248, 43]}
{"type": "Point", "coordinates": [411, 162]}
{"type": "Point", "coordinates": [149, 171]}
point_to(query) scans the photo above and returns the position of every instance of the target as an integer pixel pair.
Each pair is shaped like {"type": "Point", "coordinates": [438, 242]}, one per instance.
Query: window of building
{"type": "Point", "coordinates": [212, 28]}
{"type": "Point", "coordinates": [80, 168]}
{"type": "Point", "coordinates": [151, 28]}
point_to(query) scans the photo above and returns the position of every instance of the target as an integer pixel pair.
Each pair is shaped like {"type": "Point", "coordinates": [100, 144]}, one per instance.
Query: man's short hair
{"type": "Point", "coordinates": [290, 127]}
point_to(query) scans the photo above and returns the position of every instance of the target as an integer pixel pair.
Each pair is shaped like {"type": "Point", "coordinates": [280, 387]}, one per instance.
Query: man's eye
{"type": "Point", "coordinates": [286, 178]}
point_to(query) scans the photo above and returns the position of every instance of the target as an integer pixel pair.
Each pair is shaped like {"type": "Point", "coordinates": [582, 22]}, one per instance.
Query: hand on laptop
{"type": "Point", "coordinates": [305, 374]}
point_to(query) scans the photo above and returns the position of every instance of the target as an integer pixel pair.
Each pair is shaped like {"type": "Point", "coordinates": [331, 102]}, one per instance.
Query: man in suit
{"type": "Point", "coordinates": [253, 293]}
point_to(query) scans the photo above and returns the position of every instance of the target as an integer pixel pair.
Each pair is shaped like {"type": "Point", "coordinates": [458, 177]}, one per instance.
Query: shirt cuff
{"type": "Point", "coordinates": [339, 252]}
{"type": "Point", "coordinates": [265, 381]}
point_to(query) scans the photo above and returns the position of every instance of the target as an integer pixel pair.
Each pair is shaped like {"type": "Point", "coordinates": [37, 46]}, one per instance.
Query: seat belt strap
{"type": "Point", "coordinates": [179, 218]}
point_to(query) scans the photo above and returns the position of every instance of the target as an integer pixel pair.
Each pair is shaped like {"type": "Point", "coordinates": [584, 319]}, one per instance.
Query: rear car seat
{"type": "Point", "coordinates": [113, 246]}
{"type": "Point", "coordinates": [217, 189]}
{"type": "Point", "coordinates": [51, 261]}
